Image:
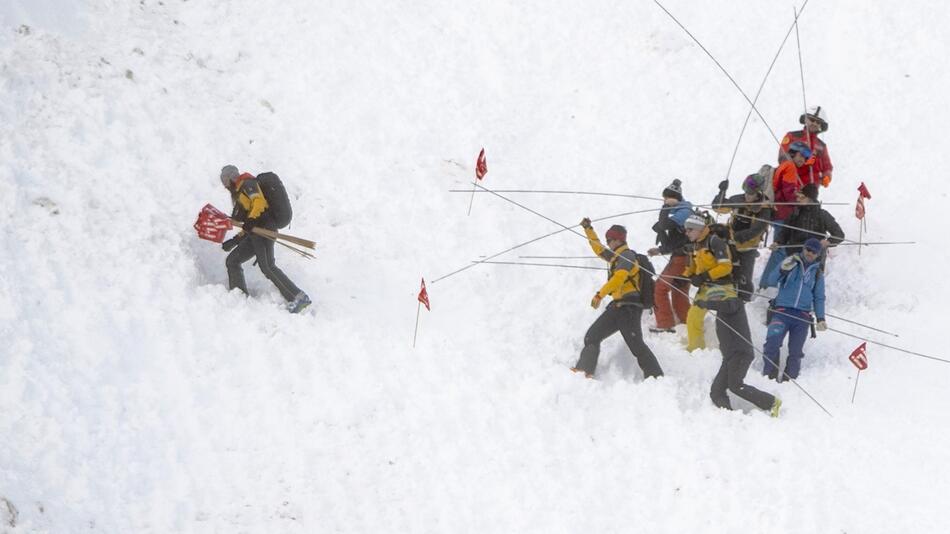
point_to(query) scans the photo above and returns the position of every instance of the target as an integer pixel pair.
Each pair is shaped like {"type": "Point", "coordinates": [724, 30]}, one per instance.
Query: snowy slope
{"type": "Point", "coordinates": [138, 395]}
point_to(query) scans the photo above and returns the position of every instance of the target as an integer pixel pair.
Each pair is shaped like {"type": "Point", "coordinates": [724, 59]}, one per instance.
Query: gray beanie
{"type": "Point", "coordinates": [228, 174]}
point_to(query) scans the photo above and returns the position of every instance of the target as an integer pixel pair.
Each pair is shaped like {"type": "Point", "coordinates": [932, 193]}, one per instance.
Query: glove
{"type": "Point", "coordinates": [821, 326]}
{"type": "Point", "coordinates": [826, 180]}
{"type": "Point", "coordinates": [788, 264]}
{"type": "Point", "coordinates": [653, 252]}
{"type": "Point", "coordinates": [699, 279]}
{"type": "Point", "coordinates": [249, 226]}
{"type": "Point", "coordinates": [723, 185]}
{"type": "Point", "coordinates": [595, 302]}
{"type": "Point", "coordinates": [229, 245]}
{"type": "Point", "coordinates": [585, 223]}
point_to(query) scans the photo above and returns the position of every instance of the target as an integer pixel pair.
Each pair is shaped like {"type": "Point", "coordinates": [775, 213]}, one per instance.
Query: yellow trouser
{"type": "Point", "coordinates": [696, 315]}
{"type": "Point", "coordinates": [694, 328]}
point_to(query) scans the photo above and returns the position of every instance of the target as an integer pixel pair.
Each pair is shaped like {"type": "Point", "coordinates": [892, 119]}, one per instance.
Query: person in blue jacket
{"type": "Point", "coordinates": [801, 284]}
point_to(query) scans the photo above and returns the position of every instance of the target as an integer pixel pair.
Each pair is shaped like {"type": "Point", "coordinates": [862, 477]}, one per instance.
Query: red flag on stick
{"type": "Point", "coordinates": [859, 357]}
{"type": "Point", "coordinates": [481, 166]}
{"type": "Point", "coordinates": [423, 298]}
{"type": "Point", "coordinates": [864, 191]}
{"type": "Point", "coordinates": [423, 295]}
{"type": "Point", "coordinates": [212, 224]}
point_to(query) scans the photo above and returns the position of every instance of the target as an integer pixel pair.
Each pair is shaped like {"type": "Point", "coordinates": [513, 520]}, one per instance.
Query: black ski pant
{"type": "Point", "coordinates": [744, 276]}
{"type": "Point", "coordinates": [256, 246]}
{"type": "Point", "coordinates": [626, 320]}
{"type": "Point", "coordinates": [732, 329]}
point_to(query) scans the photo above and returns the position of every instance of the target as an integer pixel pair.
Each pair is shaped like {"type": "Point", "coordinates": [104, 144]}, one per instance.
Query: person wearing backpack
{"type": "Point", "coordinates": [808, 220]}
{"type": "Point", "coordinates": [625, 282]}
{"type": "Point", "coordinates": [711, 270]}
{"type": "Point", "coordinates": [751, 213]}
{"type": "Point", "coordinates": [671, 295]}
{"type": "Point", "coordinates": [253, 208]}
{"type": "Point", "coordinates": [801, 286]}
{"type": "Point", "coordinates": [814, 122]}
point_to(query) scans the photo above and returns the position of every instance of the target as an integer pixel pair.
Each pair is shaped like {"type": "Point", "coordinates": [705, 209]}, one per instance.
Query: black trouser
{"type": "Point", "coordinates": [626, 320]}
{"type": "Point", "coordinates": [254, 245]}
{"type": "Point", "coordinates": [737, 356]}
{"type": "Point", "coordinates": [744, 277]}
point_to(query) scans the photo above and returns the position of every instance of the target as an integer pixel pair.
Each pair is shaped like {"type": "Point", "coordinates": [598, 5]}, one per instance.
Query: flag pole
{"type": "Point", "coordinates": [855, 386]}
{"type": "Point", "coordinates": [471, 200]}
{"type": "Point", "coordinates": [416, 330]}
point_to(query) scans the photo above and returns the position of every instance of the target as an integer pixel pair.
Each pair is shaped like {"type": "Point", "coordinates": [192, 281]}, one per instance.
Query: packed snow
{"type": "Point", "coordinates": [138, 395]}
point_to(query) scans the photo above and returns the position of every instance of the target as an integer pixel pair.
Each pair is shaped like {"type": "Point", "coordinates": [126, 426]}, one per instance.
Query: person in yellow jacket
{"type": "Point", "coordinates": [624, 310]}
{"type": "Point", "coordinates": [711, 270]}
{"type": "Point", "coordinates": [251, 208]}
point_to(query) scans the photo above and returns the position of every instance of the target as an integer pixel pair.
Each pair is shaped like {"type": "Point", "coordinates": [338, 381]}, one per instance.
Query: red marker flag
{"type": "Point", "coordinates": [481, 166]}
{"type": "Point", "coordinates": [859, 358]}
{"type": "Point", "coordinates": [863, 189]}
{"type": "Point", "coordinates": [212, 224]}
{"type": "Point", "coordinates": [423, 295]}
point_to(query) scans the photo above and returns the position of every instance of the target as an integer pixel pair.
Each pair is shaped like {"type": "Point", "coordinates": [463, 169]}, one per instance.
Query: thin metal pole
{"type": "Point", "coordinates": [855, 392]}
{"type": "Point", "coordinates": [622, 195]}
{"type": "Point", "coordinates": [416, 330]}
{"type": "Point", "coordinates": [539, 238]}
{"type": "Point", "coordinates": [471, 200]}
{"type": "Point", "coordinates": [724, 71]}
{"type": "Point", "coordinates": [758, 93]}
{"type": "Point", "coordinates": [543, 265]}
{"type": "Point", "coordinates": [801, 69]}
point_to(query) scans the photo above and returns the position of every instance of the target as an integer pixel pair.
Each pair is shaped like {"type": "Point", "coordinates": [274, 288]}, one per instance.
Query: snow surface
{"type": "Point", "coordinates": [138, 395]}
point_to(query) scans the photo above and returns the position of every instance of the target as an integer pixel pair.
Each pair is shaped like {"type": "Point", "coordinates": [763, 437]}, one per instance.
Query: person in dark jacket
{"type": "Point", "coordinates": [732, 325]}
{"type": "Point", "coordinates": [807, 221]}
{"type": "Point", "coordinates": [801, 286]}
{"type": "Point", "coordinates": [624, 310]}
{"type": "Point", "coordinates": [251, 208]}
{"type": "Point", "coordinates": [671, 293]}
{"type": "Point", "coordinates": [751, 214]}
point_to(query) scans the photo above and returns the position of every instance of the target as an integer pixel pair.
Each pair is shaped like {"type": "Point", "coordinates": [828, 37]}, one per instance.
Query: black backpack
{"type": "Point", "coordinates": [647, 282]}
{"type": "Point", "coordinates": [279, 211]}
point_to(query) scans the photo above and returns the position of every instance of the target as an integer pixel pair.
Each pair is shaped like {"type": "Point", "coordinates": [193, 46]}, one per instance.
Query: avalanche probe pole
{"type": "Point", "coordinates": [855, 386]}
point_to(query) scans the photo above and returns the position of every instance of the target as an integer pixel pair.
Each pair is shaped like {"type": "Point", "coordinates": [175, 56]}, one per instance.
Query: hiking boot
{"type": "Point", "coordinates": [300, 302]}
{"type": "Point", "coordinates": [776, 406]}
{"type": "Point", "coordinates": [586, 374]}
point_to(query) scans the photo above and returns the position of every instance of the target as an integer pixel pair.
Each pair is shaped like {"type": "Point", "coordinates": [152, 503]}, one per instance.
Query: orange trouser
{"type": "Point", "coordinates": [663, 294]}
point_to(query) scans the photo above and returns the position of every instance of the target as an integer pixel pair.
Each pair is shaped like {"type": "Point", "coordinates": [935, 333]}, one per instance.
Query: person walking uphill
{"type": "Point", "coordinates": [252, 208]}
{"type": "Point", "coordinates": [624, 311]}
{"type": "Point", "coordinates": [801, 289]}
{"type": "Point", "coordinates": [670, 305]}
{"type": "Point", "coordinates": [711, 264]}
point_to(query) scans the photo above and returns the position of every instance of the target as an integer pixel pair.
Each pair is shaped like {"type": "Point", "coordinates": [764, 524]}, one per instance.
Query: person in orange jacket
{"type": "Point", "coordinates": [819, 169]}
{"type": "Point", "coordinates": [787, 181]}
{"type": "Point", "coordinates": [624, 310]}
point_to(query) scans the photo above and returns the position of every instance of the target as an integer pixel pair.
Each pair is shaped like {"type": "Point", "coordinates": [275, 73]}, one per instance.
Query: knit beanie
{"type": "Point", "coordinates": [813, 244]}
{"type": "Point", "coordinates": [228, 174]}
{"type": "Point", "coordinates": [617, 232]}
{"type": "Point", "coordinates": [674, 190]}
{"type": "Point", "coordinates": [811, 191]}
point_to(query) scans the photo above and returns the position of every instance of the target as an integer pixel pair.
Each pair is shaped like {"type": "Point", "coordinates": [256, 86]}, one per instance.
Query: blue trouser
{"type": "Point", "coordinates": [794, 322]}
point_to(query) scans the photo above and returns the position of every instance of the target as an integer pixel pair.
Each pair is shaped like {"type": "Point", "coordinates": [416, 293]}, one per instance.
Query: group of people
{"type": "Point", "coordinates": [719, 260]}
